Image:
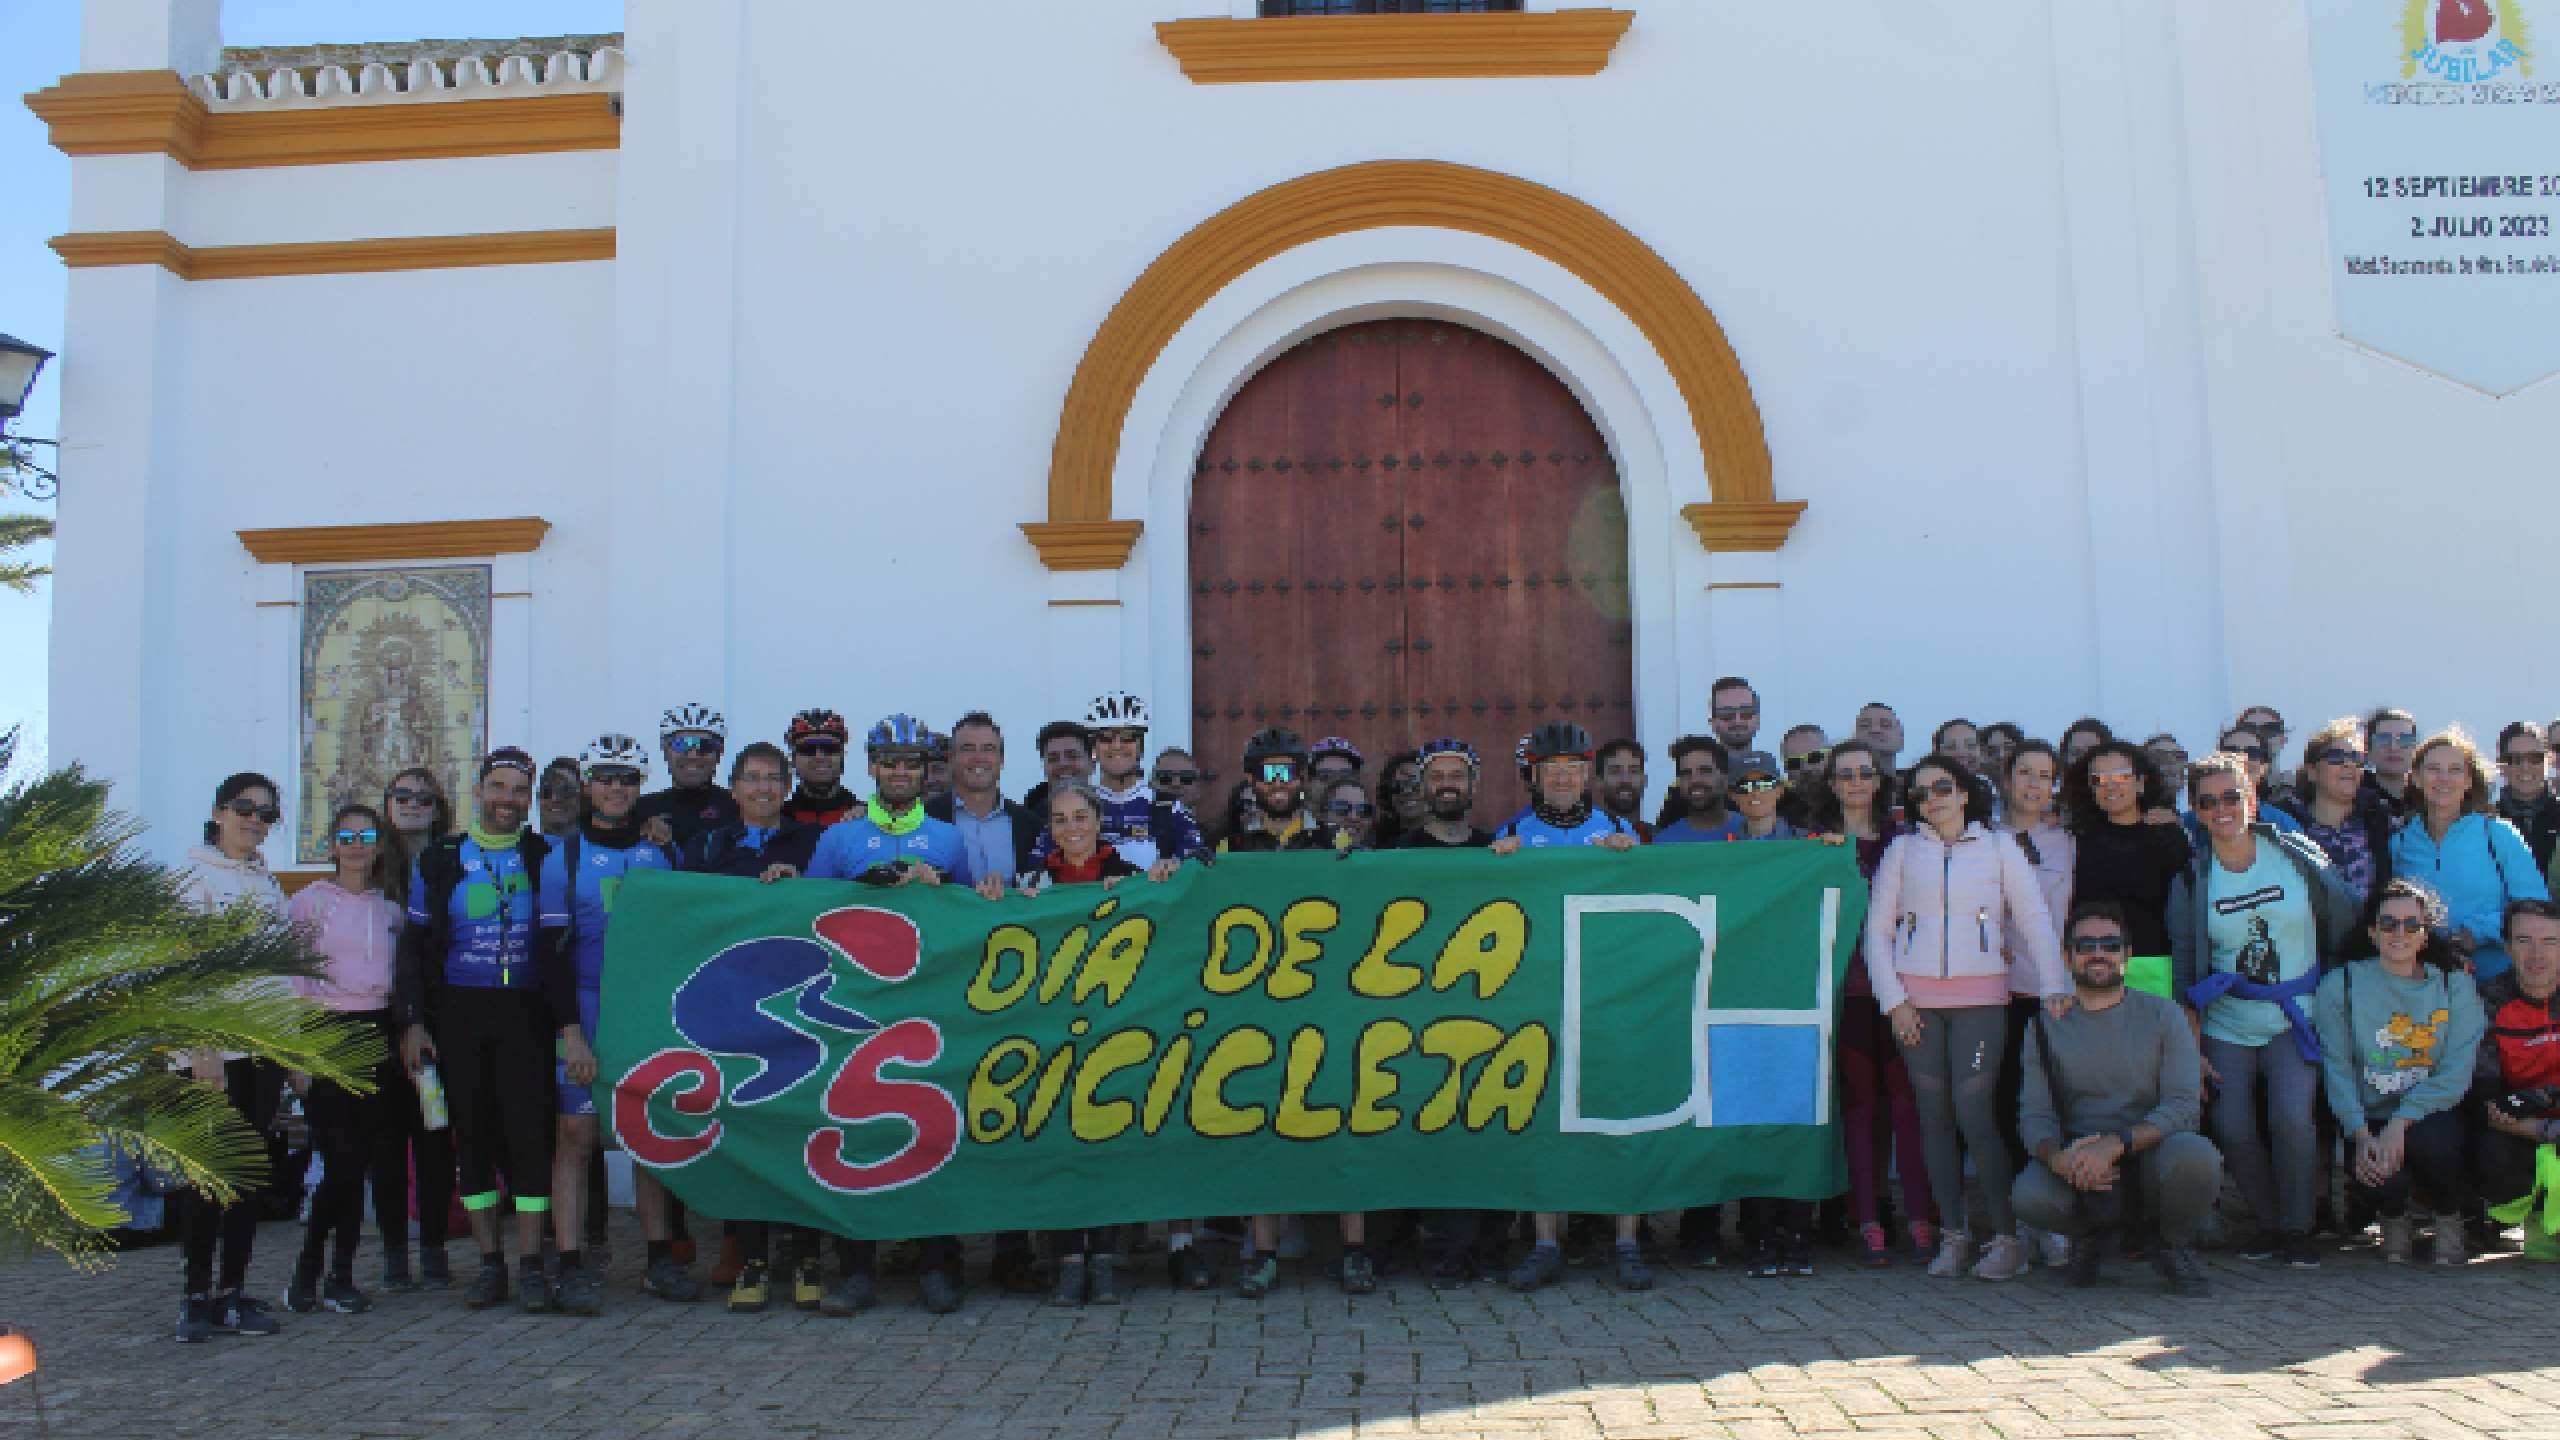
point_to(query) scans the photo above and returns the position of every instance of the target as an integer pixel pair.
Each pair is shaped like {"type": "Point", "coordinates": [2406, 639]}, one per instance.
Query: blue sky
{"type": "Point", "coordinates": [42, 43]}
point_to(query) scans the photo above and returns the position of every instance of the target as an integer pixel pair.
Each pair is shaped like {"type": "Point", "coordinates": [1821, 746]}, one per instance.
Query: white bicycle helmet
{"type": "Point", "coordinates": [606, 750]}
{"type": "Point", "coordinates": [692, 717]}
{"type": "Point", "coordinates": [1116, 710]}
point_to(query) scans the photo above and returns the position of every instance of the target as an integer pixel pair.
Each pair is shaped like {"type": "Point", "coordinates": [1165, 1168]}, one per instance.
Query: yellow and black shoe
{"type": "Point", "coordinates": [808, 1286]}
{"type": "Point", "coordinates": [749, 1294]}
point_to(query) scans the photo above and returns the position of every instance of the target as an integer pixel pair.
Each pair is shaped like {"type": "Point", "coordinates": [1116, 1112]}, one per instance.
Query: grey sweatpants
{"type": "Point", "coordinates": [2278, 1186]}
{"type": "Point", "coordinates": [2181, 1177]}
{"type": "Point", "coordinates": [1955, 1081]}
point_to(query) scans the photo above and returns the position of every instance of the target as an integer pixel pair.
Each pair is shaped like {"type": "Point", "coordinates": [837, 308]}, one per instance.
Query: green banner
{"type": "Point", "coordinates": [1553, 1030]}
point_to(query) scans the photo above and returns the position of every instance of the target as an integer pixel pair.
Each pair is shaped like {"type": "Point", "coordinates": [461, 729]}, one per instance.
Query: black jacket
{"type": "Point", "coordinates": [723, 851]}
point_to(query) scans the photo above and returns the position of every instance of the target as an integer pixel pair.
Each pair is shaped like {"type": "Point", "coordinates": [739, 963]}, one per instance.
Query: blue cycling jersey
{"type": "Point", "coordinates": [489, 920]}
{"type": "Point", "coordinates": [855, 844]}
{"type": "Point", "coordinates": [1140, 828]}
{"type": "Point", "coordinates": [585, 901]}
{"type": "Point", "coordinates": [1532, 831]}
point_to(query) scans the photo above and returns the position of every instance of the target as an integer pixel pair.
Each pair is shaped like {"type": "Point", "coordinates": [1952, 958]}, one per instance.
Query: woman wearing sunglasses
{"type": "Point", "coordinates": [225, 871]}
{"type": "Point", "coordinates": [2252, 747]}
{"type": "Point", "coordinates": [2348, 819]}
{"type": "Point", "coordinates": [2252, 921]}
{"type": "Point", "coordinates": [2131, 847]}
{"type": "Point", "coordinates": [1856, 803]}
{"type": "Point", "coordinates": [415, 804]}
{"type": "Point", "coordinates": [355, 926]}
{"type": "Point", "coordinates": [2474, 860]}
{"type": "Point", "coordinates": [1943, 900]}
{"type": "Point", "coordinates": [2399, 1037]}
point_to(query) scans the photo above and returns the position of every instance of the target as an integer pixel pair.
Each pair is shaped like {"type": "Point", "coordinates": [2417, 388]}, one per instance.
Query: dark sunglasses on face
{"type": "Point", "coordinates": [2399, 925]}
{"type": "Point", "coordinates": [1410, 785]}
{"type": "Point", "coordinates": [251, 810]}
{"type": "Point", "coordinates": [2250, 752]}
{"type": "Point", "coordinates": [819, 747]}
{"type": "Point", "coordinates": [1345, 808]}
{"type": "Point", "coordinates": [1734, 712]}
{"type": "Point", "coordinates": [1278, 772]}
{"type": "Point", "coordinates": [901, 764]}
{"type": "Point", "coordinates": [1941, 788]}
{"type": "Point", "coordinates": [1810, 757]}
{"type": "Point", "coordinates": [614, 777]}
{"type": "Point", "coordinates": [366, 836]}
{"type": "Point", "coordinates": [710, 745]}
{"type": "Point", "coordinates": [2207, 803]}
{"type": "Point", "coordinates": [1118, 737]}
{"type": "Point", "coordinates": [2115, 777]}
{"type": "Point", "coordinates": [1177, 777]}
{"type": "Point", "coordinates": [2097, 945]}
{"type": "Point", "coordinates": [2336, 755]}
{"type": "Point", "coordinates": [2397, 742]}
{"type": "Point", "coordinates": [559, 790]}
{"type": "Point", "coordinates": [400, 795]}
{"type": "Point", "coordinates": [1761, 786]}
{"type": "Point", "coordinates": [1843, 777]}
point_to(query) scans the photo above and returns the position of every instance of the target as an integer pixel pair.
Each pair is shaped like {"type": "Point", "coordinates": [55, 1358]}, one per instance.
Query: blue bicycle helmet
{"type": "Point", "coordinates": [898, 734]}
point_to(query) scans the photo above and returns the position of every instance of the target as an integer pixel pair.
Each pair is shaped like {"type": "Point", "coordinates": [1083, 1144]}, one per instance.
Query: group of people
{"type": "Point", "coordinates": [2170, 968]}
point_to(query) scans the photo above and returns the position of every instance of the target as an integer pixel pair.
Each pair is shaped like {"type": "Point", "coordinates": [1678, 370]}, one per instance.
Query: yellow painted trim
{"type": "Point", "coordinates": [152, 112]}
{"type": "Point", "coordinates": [1547, 222]}
{"type": "Point", "coordinates": [1395, 47]}
{"type": "Point", "coordinates": [88, 249]}
{"type": "Point", "coordinates": [1745, 525]}
{"type": "Point", "coordinates": [417, 540]}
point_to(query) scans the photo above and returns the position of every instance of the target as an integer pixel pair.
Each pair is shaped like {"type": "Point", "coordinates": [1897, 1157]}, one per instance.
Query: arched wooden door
{"type": "Point", "coordinates": [1404, 529]}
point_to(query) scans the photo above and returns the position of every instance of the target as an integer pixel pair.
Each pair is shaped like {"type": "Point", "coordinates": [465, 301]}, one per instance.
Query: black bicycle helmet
{"type": "Point", "coordinates": [1275, 744]}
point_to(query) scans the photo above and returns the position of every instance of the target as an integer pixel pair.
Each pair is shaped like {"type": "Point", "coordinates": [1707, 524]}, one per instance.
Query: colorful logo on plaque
{"type": "Point", "coordinates": [2464, 42]}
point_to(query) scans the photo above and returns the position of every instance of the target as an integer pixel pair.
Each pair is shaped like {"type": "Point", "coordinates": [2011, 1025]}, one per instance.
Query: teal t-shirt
{"type": "Point", "coordinates": [2261, 926]}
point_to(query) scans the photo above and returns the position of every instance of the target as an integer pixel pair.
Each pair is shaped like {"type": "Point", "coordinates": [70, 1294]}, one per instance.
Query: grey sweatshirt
{"type": "Point", "coordinates": [2133, 1063]}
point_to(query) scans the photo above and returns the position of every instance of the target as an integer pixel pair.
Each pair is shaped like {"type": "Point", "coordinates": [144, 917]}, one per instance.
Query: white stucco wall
{"type": "Point", "coordinates": [2036, 313]}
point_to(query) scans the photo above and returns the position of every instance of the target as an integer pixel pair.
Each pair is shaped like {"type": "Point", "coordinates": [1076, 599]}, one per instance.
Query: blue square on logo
{"type": "Point", "coordinates": [1763, 1074]}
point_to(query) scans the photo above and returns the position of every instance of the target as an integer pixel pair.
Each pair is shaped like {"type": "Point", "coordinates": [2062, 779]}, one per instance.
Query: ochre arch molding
{"type": "Point", "coordinates": [1080, 534]}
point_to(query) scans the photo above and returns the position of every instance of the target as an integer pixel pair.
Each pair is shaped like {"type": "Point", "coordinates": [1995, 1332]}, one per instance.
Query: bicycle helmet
{"type": "Point", "coordinates": [1116, 710]}
{"type": "Point", "coordinates": [1336, 745]}
{"type": "Point", "coordinates": [938, 744]}
{"type": "Point", "coordinates": [814, 725]}
{"type": "Point", "coordinates": [685, 718]}
{"type": "Point", "coordinates": [1559, 740]}
{"type": "Point", "coordinates": [612, 750]}
{"type": "Point", "coordinates": [1275, 744]}
{"type": "Point", "coordinates": [898, 735]}
{"type": "Point", "coordinates": [1451, 745]}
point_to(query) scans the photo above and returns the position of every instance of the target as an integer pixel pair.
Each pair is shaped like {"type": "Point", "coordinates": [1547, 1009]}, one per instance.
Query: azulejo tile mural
{"type": "Point", "coordinates": [395, 676]}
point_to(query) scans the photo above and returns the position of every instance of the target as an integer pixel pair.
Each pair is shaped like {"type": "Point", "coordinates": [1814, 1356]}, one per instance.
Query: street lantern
{"type": "Point", "coordinates": [20, 362]}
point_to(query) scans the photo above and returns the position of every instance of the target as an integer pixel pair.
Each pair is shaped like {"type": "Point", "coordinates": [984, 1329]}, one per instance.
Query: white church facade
{"type": "Point", "coordinates": [1374, 375]}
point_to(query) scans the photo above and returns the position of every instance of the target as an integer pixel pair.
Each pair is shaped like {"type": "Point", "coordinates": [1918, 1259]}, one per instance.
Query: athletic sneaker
{"type": "Point", "coordinates": [853, 1294]}
{"type": "Point", "coordinates": [396, 1277]}
{"type": "Point", "coordinates": [1873, 1248]}
{"type": "Point", "coordinates": [434, 1271]}
{"type": "Point", "coordinates": [2003, 1259]}
{"type": "Point", "coordinates": [2399, 1239]}
{"type": "Point", "coordinates": [2448, 1247]}
{"type": "Point", "coordinates": [752, 1291]}
{"type": "Point", "coordinates": [1359, 1273]}
{"type": "Point", "coordinates": [1633, 1272]}
{"type": "Point", "coordinates": [339, 1294]}
{"type": "Point", "coordinates": [576, 1292]}
{"type": "Point", "coordinates": [2086, 1252]}
{"type": "Point", "coordinates": [1766, 1265]}
{"type": "Point", "coordinates": [2299, 1252]}
{"type": "Point", "coordinates": [1188, 1269]}
{"type": "Point", "coordinates": [489, 1287]}
{"type": "Point", "coordinates": [1537, 1269]}
{"type": "Point", "coordinates": [1070, 1289]}
{"type": "Point", "coordinates": [1102, 1281]}
{"type": "Point", "coordinates": [534, 1294]}
{"type": "Point", "coordinates": [1452, 1272]}
{"type": "Point", "coordinates": [1256, 1279]}
{"type": "Point", "coordinates": [195, 1320]}
{"type": "Point", "coordinates": [1796, 1260]}
{"type": "Point", "coordinates": [808, 1286]}
{"type": "Point", "coordinates": [2053, 1248]}
{"type": "Point", "coordinates": [1955, 1255]}
{"type": "Point", "coordinates": [302, 1292]}
{"type": "Point", "coordinates": [1924, 1242]}
{"type": "Point", "coordinates": [939, 1291]}
{"type": "Point", "coordinates": [665, 1278]}
{"type": "Point", "coordinates": [2180, 1266]}
{"type": "Point", "coordinates": [237, 1314]}
{"type": "Point", "coordinates": [2263, 1246]}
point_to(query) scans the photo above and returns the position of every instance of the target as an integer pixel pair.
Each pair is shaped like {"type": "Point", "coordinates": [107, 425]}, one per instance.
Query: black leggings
{"type": "Point", "coordinates": [494, 1049]}
{"type": "Point", "coordinates": [755, 1240]}
{"type": "Point", "coordinates": [400, 1131]}
{"type": "Point", "coordinates": [346, 1131]}
{"type": "Point", "coordinates": [253, 1087]}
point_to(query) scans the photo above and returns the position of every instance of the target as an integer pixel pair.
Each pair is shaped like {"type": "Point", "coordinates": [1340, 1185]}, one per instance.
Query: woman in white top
{"type": "Point", "coordinates": [226, 870]}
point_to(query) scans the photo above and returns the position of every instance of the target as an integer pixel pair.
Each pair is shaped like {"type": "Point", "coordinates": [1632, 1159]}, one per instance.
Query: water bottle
{"type": "Point", "coordinates": [431, 1108]}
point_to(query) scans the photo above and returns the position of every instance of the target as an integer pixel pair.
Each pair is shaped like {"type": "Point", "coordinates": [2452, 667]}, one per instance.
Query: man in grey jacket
{"type": "Point", "coordinates": [2109, 1101]}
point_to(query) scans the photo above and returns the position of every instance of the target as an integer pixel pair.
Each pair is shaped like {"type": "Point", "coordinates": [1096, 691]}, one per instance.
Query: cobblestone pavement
{"type": "Point", "coordinates": [2355, 1349]}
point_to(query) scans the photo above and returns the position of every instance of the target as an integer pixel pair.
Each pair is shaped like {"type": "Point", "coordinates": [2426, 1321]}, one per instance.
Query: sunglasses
{"type": "Point", "coordinates": [613, 777]}
{"type": "Point", "coordinates": [818, 747]}
{"type": "Point", "coordinates": [559, 790]}
{"type": "Point", "coordinates": [2396, 742]}
{"type": "Point", "coordinates": [248, 809]}
{"type": "Point", "coordinates": [1345, 808]}
{"type": "Point", "coordinates": [710, 745]}
{"type": "Point", "coordinates": [1810, 757]}
{"type": "Point", "coordinates": [1734, 712]}
{"type": "Point", "coordinates": [2250, 752]}
{"type": "Point", "coordinates": [2337, 756]}
{"type": "Point", "coordinates": [1761, 786]}
{"type": "Point", "coordinates": [2098, 945]}
{"type": "Point", "coordinates": [1119, 737]}
{"type": "Point", "coordinates": [367, 836]}
{"type": "Point", "coordinates": [2115, 777]}
{"type": "Point", "coordinates": [401, 795]}
{"type": "Point", "coordinates": [901, 764]}
{"type": "Point", "coordinates": [2206, 804]}
{"type": "Point", "coordinates": [1177, 777]}
{"type": "Point", "coordinates": [1941, 788]}
{"type": "Point", "coordinates": [1279, 772]}
{"type": "Point", "coordinates": [2399, 925]}
{"type": "Point", "coordinates": [1410, 785]}
{"type": "Point", "coordinates": [1843, 777]}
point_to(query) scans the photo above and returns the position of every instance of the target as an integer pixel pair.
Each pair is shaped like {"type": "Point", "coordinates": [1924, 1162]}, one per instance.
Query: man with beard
{"type": "Point", "coordinates": [2110, 1099]}
{"type": "Point", "coordinates": [1698, 771]}
{"type": "Point", "coordinates": [693, 738]}
{"type": "Point", "coordinates": [816, 740]}
{"type": "Point", "coordinates": [1733, 712]}
{"type": "Point", "coordinates": [1450, 769]}
{"type": "Point", "coordinates": [1618, 784]}
{"type": "Point", "coordinates": [1806, 753]}
{"type": "Point", "coordinates": [1275, 765]}
{"type": "Point", "coordinates": [1153, 832]}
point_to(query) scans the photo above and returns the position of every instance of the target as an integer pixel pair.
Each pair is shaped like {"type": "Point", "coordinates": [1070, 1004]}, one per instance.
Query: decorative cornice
{"type": "Point", "coordinates": [331, 257]}
{"type": "Point", "coordinates": [419, 540]}
{"type": "Point", "coordinates": [1084, 544]}
{"type": "Point", "coordinates": [1594, 248]}
{"type": "Point", "coordinates": [1395, 47]}
{"type": "Point", "coordinates": [231, 123]}
{"type": "Point", "coordinates": [1744, 525]}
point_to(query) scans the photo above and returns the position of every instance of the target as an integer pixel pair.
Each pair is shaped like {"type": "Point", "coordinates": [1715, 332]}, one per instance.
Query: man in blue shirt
{"type": "Point", "coordinates": [890, 840]}
{"type": "Point", "coordinates": [1698, 769]}
{"type": "Point", "coordinates": [996, 835]}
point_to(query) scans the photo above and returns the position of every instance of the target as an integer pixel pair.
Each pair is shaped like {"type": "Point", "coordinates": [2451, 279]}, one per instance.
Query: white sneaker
{"type": "Point", "coordinates": [2003, 1259]}
{"type": "Point", "coordinates": [1955, 1252]}
{"type": "Point", "coordinates": [2053, 1248]}
{"type": "Point", "coordinates": [2398, 1239]}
